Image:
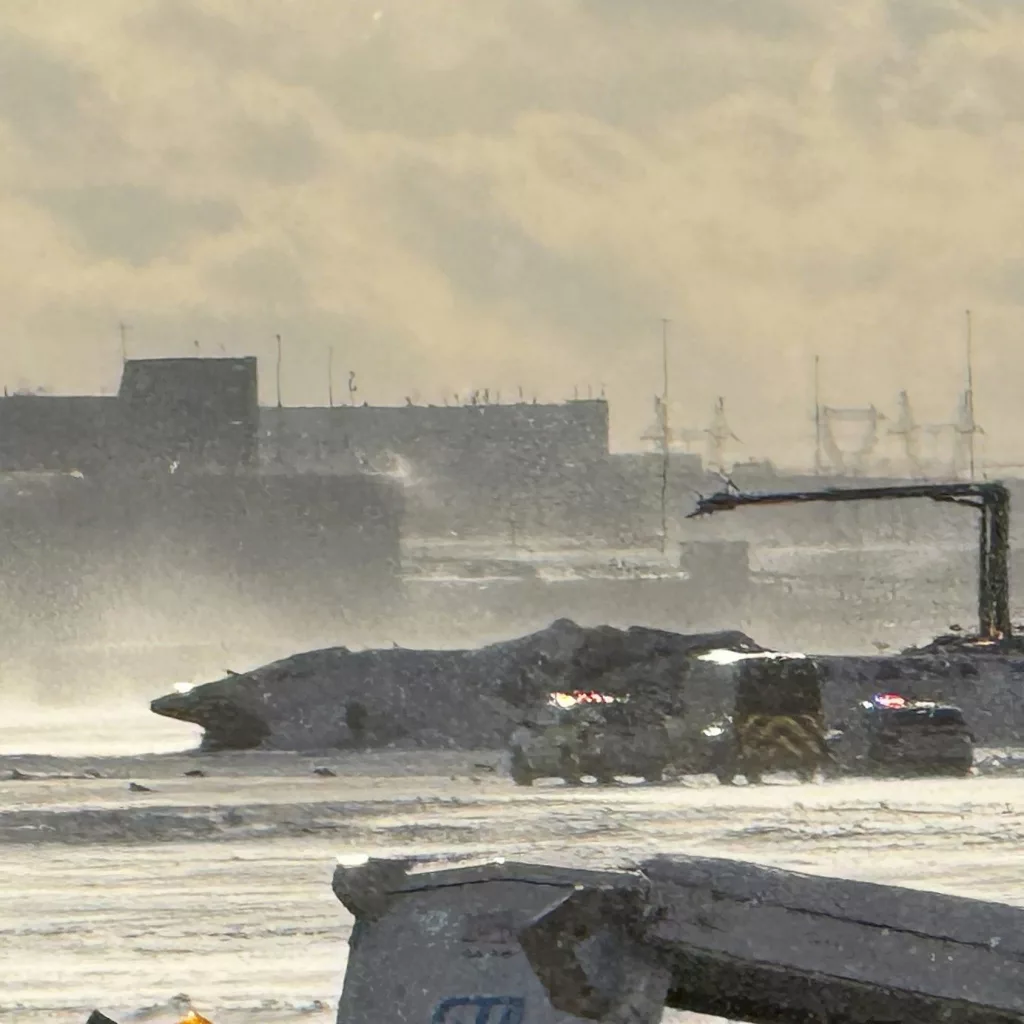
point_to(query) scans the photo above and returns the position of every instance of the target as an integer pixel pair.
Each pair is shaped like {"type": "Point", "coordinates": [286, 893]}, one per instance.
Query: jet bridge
{"type": "Point", "coordinates": [511, 943]}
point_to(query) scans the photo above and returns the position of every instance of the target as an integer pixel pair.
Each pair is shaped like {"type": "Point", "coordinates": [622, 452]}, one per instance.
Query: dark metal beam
{"type": "Point", "coordinates": [992, 499]}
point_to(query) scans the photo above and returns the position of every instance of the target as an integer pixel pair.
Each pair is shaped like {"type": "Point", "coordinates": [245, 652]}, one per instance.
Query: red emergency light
{"type": "Point", "coordinates": [889, 700]}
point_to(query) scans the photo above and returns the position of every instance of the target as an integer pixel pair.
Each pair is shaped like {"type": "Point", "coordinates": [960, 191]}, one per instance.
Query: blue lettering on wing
{"type": "Point", "coordinates": [479, 1010]}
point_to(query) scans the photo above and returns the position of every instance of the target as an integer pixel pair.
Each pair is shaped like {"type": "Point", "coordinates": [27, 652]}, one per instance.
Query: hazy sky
{"type": "Point", "coordinates": [513, 192]}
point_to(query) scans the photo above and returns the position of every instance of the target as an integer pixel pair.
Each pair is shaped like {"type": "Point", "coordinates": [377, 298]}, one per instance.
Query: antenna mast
{"type": "Point", "coordinates": [330, 376]}
{"type": "Point", "coordinates": [124, 329]}
{"type": "Point", "coordinates": [818, 461]}
{"type": "Point", "coordinates": [970, 398]}
{"type": "Point", "coordinates": [664, 435]}
{"type": "Point", "coordinates": [279, 371]}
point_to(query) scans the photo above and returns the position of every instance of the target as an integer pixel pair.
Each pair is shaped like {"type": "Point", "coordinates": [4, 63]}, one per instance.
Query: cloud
{"type": "Point", "coordinates": [916, 22]}
{"type": "Point", "coordinates": [772, 19]}
{"type": "Point", "coordinates": [134, 223]}
{"type": "Point", "coordinates": [456, 224]}
{"type": "Point", "coordinates": [43, 99]}
{"type": "Point", "coordinates": [516, 191]}
{"type": "Point", "coordinates": [282, 154]}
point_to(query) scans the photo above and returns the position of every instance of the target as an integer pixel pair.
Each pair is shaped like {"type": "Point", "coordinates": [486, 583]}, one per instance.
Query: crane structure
{"type": "Point", "coordinates": [663, 438]}
{"type": "Point", "coordinates": [961, 433]}
{"type": "Point", "coordinates": [843, 461]}
{"type": "Point", "coordinates": [829, 421]}
{"type": "Point", "coordinates": [991, 499]}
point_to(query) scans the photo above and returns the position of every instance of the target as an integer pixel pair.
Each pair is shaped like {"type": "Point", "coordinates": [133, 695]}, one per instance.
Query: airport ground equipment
{"type": "Point", "coordinates": [777, 722]}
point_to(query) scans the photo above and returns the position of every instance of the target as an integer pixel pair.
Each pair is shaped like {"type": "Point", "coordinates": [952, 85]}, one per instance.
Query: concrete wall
{"type": "Point", "coordinates": [195, 559]}
{"type": "Point", "coordinates": [57, 434]}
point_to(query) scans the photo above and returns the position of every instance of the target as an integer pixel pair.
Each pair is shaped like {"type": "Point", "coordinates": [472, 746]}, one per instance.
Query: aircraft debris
{"type": "Point", "coordinates": [712, 936]}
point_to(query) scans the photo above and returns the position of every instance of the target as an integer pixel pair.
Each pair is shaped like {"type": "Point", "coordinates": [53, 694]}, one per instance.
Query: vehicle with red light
{"type": "Point", "coordinates": [583, 733]}
{"type": "Point", "coordinates": [893, 735]}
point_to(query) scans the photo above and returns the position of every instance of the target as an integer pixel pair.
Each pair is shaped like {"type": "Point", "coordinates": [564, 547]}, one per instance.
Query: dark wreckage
{"type": "Point", "coordinates": [669, 698]}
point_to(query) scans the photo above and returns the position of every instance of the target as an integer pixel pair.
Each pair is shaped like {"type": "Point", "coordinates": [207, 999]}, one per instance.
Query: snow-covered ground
{"type": "Point", "coordinates": [218, 887]}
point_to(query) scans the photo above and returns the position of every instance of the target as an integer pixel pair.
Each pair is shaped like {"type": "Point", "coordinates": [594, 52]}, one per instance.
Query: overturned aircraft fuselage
{"type": "Point", "coordinates": [471, 699]}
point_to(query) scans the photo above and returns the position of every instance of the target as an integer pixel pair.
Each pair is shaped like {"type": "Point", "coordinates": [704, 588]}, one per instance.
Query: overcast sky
{"type": "Point", "coordinates": [505, 193]}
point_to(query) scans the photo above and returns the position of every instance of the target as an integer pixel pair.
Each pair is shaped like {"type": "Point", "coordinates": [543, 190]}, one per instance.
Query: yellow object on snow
{"type": "Point", "coordinates": [194, 1018]}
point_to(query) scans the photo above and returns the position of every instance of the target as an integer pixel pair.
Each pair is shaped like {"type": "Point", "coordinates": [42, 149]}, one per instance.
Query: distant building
{"type": "Point", "coordinates": [196, 413]}
{"type": "Point", "coordinates": [436, 439]}
{"type": "Point", "coordinates": [542, 467]}
{"type": "Point", "coordinates": [190, 413]}
{"type": "Point", "coordinates": [55, 433]}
